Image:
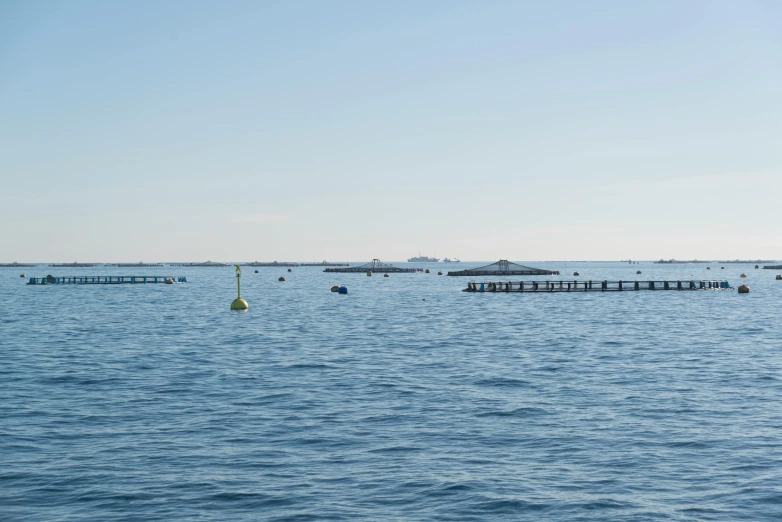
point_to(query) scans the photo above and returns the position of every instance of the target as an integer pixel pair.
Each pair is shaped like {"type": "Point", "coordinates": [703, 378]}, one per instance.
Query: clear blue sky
{"type": "Point", "coordinates": [297, 130]}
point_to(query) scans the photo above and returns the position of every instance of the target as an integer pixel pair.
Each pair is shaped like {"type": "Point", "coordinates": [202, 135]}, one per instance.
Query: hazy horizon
{"type": "Point", "coordinates": [311, 131]}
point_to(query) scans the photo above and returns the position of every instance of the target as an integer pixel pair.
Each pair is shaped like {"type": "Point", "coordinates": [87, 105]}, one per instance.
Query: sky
{"type": "Point", "coordinates": [310, 130]}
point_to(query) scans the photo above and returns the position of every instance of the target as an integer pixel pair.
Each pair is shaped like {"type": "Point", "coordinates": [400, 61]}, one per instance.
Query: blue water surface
{"type": "Point", "coordinates": [406, 399]}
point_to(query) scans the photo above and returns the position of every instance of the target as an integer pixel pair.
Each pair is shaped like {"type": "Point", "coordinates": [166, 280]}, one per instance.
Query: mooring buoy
{"type": "Point", "coordinates": [22, 275]}
{"type": "Point", "coordinates": [343, 289]}
{"type": "Point", "coordinates": [281, 279]}
{"type": "Point", "coordinates": [385, 275]}
{"type": "Point", "coordinates": [708, 268]}
{"type": "Point", "coordinates": [369, 273]}
{"type": "Point", "coordinates": [256, 271]}
{"type": "Point", "coordinates": [439, 273]}
{"type": "Point", "coordinates": [779, 277]}
{"type": "Point", "coordinates": [743, 275]}
{"type": "Point", "coordinates": [426, 271]}
{"type": "Point", "coordinates": [757, 266]}
{"type": "Point", "coordinates": [743, 289]}
{"type": "Point", "coordinates": [335, 288]}
{"type": "Point", "coordinates": [576, 274]}
{"type": "Point", "coordinates": [637, 271]}
{"type": "Point", "coordinates": [239, 303]}
{"type": "Point", "coordinates": [289, 270]}
{"type": "Point", "coordinates": [169, 281]}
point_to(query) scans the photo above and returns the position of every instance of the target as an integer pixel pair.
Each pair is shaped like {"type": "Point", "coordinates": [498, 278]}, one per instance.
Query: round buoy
{"type": "Point", "coordinates": [22, 275]}
{"type": "Point", "coordinates": [239, 304]}
{"type": "Point", "coordinates": [708, 268]}
{"type": "Point", "coordinates": [281, 279]}
{"type": "Point", "coordinates": [576, 274]}
{"type": "Point", "coordinates": [424, 298]}
{"type": "Point", "coordinates": [426, 271]}
{"type": "Point", "coordinates": [439, 273]}
{"type": "Point", "coordinates": [169, 281]}
{"type": "Point", "coordinates": [289, 270]}
{"type": "Point", "coordinates": [743, 275]}
{"type": "Point", "coordinates": [757, 266]}
{"type": "Point", "coordinates": [256, 271]}
{"type": "Point", "coordinates": [722, 268]}
{"type": "Point", "coordinates": [637, 271]}
{"type": "Point", "coordinates": [385, 275]}
{"type": "Point", "coordinates": [779, 277]}
{"type": "Point", "coordinates": [343, 289]}
{"type": "Point", "coordinates": [743, 289]}
{"type": "Point", "coordinates": [335, 289]}
{"type": "Point", "coordinates": [369, 273]}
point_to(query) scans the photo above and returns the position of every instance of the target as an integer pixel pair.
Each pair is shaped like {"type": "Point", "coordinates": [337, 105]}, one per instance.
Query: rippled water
{"type": "Point", "coordinates": [156, 402]}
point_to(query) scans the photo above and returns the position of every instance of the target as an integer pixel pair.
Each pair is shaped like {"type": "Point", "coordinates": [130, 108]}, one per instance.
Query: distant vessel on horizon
{"type": "Point", "coordinates": [454, 260]}
{"type": "Point", "coordinates": [422, 259]}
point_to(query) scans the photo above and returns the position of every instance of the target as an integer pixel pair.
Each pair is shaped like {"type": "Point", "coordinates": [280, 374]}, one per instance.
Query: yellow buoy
{"type": "Point", "coordinates": [169, 281]}
{"type": "Point", "coordinates": [281, 279]}
{"type": "Point", "coordinates": [239, 303]}
{"type": "Point", "coordinates": [743, 275]}
{"type": "Point", "coordinates": [743, 289]}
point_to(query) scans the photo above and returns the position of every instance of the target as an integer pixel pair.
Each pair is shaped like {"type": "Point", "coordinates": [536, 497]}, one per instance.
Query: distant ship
{"type": "Point", "coordinates": [454, 260]}
{"type": "Point", "coordinates": [422, 259]}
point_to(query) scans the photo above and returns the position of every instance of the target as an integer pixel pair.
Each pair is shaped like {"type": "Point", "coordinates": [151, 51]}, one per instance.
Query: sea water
{"type": "Point", "coordinates": [406, 399]}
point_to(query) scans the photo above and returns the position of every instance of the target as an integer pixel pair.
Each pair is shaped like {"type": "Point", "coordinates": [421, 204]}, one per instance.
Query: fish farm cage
{"type": "Point", "coordinates": [594, 286]}
{"type": "Point", "coordinates": [374, 266]}
{"type": "Point", "coordinates": [503, 267]}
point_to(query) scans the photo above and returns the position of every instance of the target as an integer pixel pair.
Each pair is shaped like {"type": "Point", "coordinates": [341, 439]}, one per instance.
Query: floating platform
{"type": "Point", "coordinates": [374, 266]}
{"type": "Point", "coordinates": [273, 263]}
{"type": "Point", "coordinates": [773, 267]}
{"type": "Point", "coordinates": [17, 265]}
{"type": "Point", "coordinates": [73, 265]}
{"type": "Point", "coordinates": [135, 265]}
{"type": "Point", "coordinates": [206, 264]}
{"type": "Point", "coordinates": [325, 263]}
{"type": "Point", "coordinates": [102, 280]}
{"type": "Point", "coordinates": [503, 267]}
{"type": "Point", "coordinates": [594, 286]}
